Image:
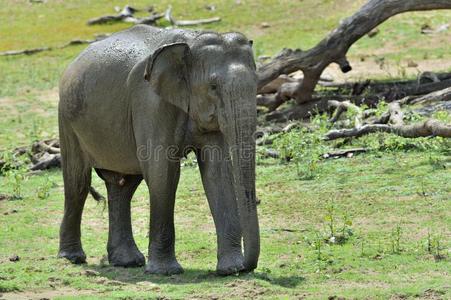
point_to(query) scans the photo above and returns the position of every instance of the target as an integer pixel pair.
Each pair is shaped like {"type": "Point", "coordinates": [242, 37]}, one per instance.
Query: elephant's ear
{"type": "Point", "coordinates": [167, 71]}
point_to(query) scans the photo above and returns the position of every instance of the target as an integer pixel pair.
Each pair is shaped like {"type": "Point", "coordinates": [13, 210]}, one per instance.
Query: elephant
{"type": "Point", "coordinates": [131, 107]}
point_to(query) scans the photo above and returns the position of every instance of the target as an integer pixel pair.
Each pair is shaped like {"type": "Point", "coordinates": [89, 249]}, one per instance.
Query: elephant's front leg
{"type": "Point", "coordinates": [218, 184]}
{"type": "Point", "coordinates": [162, 178]}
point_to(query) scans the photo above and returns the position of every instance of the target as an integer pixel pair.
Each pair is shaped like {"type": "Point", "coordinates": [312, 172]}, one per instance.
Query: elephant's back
{"type": "Point", "coordinates": [98, 75]}
{"type": "Point", "coordinates": [123, 49]}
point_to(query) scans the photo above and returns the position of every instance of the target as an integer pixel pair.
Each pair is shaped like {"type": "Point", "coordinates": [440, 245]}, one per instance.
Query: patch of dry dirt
{"type": "Point", "coordinates": [45, 294]}
{"type": "Point", "coordinates": [38, 101]}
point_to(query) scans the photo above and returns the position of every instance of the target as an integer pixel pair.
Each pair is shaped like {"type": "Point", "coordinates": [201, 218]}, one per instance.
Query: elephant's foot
{"type": "Point", "coordinates": [75, 256]}
{"type": "Point", "coordinates": [230, 264]}
{"type": "Point", "coordinates": [127, 256]}
{"type": "Point", "coordinates": [164, 267]}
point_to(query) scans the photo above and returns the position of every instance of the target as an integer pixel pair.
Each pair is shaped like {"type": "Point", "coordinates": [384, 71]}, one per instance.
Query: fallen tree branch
{"type": "Point", "coordinates": [25, 51]}
{"type": "Point", "coordinates": [334, 47]}
{"type": "Point", "coordinates": [47, 161]}
{"type": "Point", "coordinates": [73, 42]}
{"type": "Point", "coordinates": [348, 153]}
{"type": "Point", "coordinates": [126, 12]}
{"type": "Point", "coordinates": [168, 16]}
{"type": "Point", "coordinates": [441, 95]}
{"type": "Point", "coordinates": [428, 128]}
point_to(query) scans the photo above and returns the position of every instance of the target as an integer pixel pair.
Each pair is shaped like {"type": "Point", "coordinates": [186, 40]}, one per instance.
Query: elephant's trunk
{"type": "Point", "coordinates": [243, 166]}
{"type": "Point", "coordinates": [239, 135]}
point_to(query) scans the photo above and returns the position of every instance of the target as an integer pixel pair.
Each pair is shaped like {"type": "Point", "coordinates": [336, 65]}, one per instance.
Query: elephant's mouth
{"type": "Point", "coordinates": [209, 126]}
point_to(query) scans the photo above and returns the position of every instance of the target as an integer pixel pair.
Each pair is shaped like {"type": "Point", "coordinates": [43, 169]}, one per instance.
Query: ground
{"type": "Point", "coordinates": [393, 207]}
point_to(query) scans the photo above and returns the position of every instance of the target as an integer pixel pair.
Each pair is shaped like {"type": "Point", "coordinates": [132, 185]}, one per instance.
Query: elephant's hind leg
{"type": "Point", "coordinates": [77, 180]}
{"type": "Point", "coordinates": [122, 249]}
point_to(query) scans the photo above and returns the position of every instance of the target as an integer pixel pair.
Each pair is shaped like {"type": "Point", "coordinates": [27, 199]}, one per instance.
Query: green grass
{"type": "Point", "coordinates": [374, 194]}
{"type": "Point", "coordinates": [292, 24]}
{"type": "Point", "coordinates": [378, 193]}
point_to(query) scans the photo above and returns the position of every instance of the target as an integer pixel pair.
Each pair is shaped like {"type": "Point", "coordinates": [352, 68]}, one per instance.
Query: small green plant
{"type": "Point", "coordinates": [317, 245]}
{"type": "Point", "coordinates": [330, 219]}
{"type": "Point", "coordinates": [9, 162]}
{"type": "Point", "coordinates": [346, 229]}
{"type": "Point", "coordinates": [16, 177]}
{"type": "Point", "coordinates": [395, 239]}
{"type": "Point", "coordinates": [43, 191]}
{"type": "Point", "coordinates": [434, 246]}
{"type": "Point", "coordinates": [362, 249]}
{"type": "Point", "coordinates": [334, 235]}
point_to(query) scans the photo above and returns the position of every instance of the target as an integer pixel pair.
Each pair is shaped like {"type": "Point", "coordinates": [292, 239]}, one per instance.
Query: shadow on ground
{"type": "Point", "coordinates": [190, 276]}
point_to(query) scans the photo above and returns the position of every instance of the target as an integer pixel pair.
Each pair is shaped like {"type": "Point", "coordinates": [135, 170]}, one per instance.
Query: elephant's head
{"type": "Point", "coordinates": [213, 79]}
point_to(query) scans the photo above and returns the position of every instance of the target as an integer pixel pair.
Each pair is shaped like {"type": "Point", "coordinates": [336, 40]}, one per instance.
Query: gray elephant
{"type": "Point", "coordinates": [131, 106]}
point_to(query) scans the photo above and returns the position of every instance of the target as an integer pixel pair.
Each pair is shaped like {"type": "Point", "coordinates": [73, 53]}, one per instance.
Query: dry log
{"type": "Point", "coordinates": [126, 12]}
{"type": "Point", "coordinates": [25, 51]}
{"type": "Point", "coordinates": [38, 50]}
{"type": "Point", "coordinates": [285, 93]}
{"type": "Point", "coordinates": [441, 95]}
{"type": "Point", "coordinates": [127, 15]}
{"type": "Point", "coordinates": [428, 128]}
{"type": "Point", "coordinates": [275, 84]}
{"type": "Point", "coordinates": [380, 86]}
{"type": "Point", "coordinates": [105, 19]}
{"type": "Point", "coordinates": [50, 146]}
{"type": "Point", "coordinates": [168, 16]}
{"type": "Point", "coordinates": [334, 47]}
{"type": "Point", "coordinates": [47, 161]}
{"type": "Point", "coordinates": [150, 20]}
{"type": "Point", "coordinates": [348, 153]}
{"type": "Point", "coordinates": [76, 42]}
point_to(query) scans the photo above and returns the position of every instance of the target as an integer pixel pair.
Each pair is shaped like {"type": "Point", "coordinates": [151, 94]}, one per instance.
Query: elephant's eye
{"type": "Point", "coordinates": [213, 83]}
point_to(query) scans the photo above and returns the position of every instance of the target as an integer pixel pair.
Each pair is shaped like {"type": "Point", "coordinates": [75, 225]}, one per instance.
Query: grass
{"type": "Point", "coordinates": [374, 194]}
{"type": "Point", "coordinates": [292, 24]}
{"type": "Point", "coordinates": [392, 207]}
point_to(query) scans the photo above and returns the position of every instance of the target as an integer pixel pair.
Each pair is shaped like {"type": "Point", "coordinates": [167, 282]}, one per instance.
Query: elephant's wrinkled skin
{"type": "Point", "coordinates": [130, 107]}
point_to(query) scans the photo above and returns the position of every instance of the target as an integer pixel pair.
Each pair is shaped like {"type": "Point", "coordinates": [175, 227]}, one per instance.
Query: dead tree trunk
{"type": "Point", "coordinates": [334, 47]}
{"type": "Point", "coordinates": [429, 127]}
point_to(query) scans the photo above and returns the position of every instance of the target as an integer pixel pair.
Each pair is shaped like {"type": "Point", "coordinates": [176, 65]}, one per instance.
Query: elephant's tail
{"type": "Point", "coordinates": [96, 195]}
